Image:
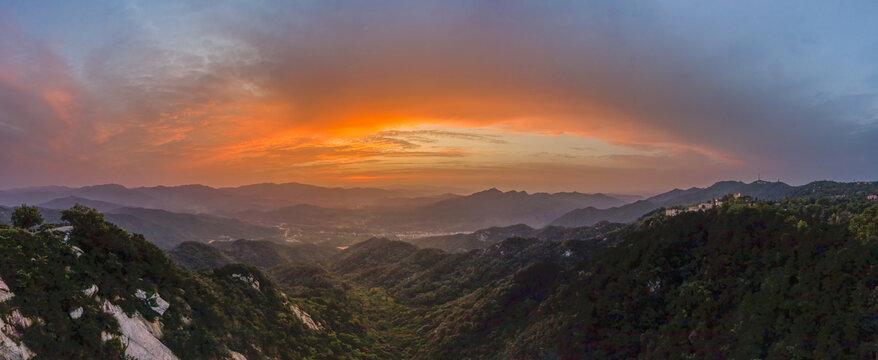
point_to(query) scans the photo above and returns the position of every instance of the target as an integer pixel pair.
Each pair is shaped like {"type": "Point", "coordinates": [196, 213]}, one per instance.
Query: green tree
{"type": "Point", "coordinates": [26, 217]}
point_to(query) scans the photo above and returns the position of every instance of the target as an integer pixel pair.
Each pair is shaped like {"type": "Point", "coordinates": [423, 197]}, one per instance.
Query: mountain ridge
{"type": "Point", "coordinates": [759, 189]}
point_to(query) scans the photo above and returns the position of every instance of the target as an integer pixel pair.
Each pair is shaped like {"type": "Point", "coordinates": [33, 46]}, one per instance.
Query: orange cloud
{"type": "Point", "coordinates": [61, 102]}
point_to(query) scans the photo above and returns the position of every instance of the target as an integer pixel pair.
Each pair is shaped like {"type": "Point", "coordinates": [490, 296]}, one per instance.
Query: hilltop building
{"type": "Point", "coordinates": [707, 205]}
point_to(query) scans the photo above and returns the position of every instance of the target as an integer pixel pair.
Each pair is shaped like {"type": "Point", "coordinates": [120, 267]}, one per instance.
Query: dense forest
{"type": "Point", "coordinates": [790, 278]}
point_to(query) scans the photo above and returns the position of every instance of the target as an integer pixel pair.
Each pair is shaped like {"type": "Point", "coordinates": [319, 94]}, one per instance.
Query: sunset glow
{"type": "Point", "coordinates": [463, 95]}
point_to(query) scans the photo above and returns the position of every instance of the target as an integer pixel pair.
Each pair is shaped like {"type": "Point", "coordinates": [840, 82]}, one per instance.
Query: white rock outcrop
{"type": "Point", "coordinates": [249, 279]}
{"type": "Point", "coordinates": [140, 336]}
{"type": "Point", "coordinates": [76, 313]}
{"type": "Point", "coordinates": [16, 321]}
{"type": "Point", "coordinates": [236, 355]}
{"type": "Point", "coordinates": [66, 230]}
{"type": "Point", "coordinates": [155, 302]}
{"type": "Point", "coordinates": [5, 293]}
{"type": "Point", "coordinates": [11, 348]}
{"type": "Point", "coordinates": [93, 289]}
{"type": "Point", "coordinates": [306, 318]}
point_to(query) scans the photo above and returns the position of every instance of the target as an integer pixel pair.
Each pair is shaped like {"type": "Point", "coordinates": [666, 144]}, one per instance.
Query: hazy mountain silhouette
{"type": "Point", "coordinates": [456, 213]}
{"type": "Point", "coordinates": [496, 208]}
{"type": "Point", "coordinates": [205, 199]}
{"type": "Point", "coordinates": [68, 202]}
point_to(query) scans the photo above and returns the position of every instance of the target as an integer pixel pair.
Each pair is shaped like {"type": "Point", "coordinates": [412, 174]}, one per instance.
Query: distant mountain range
{"type": "Point", "coordinates": [298, 212]}
{"type": "Point", "coordinates": [496, 208]}
{"type": "Point", "coordinates": [583, 223]}
{"type": "Point", "coordinates": [459, 213]}
{"type": "Point", "coordinates": [205, 199]}
{"type": "Point", "coordinates": [68, 201]}
{"type": "Point", "coordinates": [338, 216]}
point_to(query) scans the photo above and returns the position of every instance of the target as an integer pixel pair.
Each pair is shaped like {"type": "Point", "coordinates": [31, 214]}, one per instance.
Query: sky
{"type": "Point", "coordinates": [593, 96]}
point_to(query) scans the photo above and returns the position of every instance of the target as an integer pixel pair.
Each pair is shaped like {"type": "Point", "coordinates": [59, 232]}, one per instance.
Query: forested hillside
{"type": "Point", "coordinates": [748, 280]}
{"type": "Point", "coordinates": [262, 254]}
{"type": "Point", "coordinates": [99, 292]}
{"type": "Point", "coordinates": [486, 237]}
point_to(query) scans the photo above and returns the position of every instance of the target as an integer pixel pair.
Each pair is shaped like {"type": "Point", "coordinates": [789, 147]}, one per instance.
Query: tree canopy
{"type": "Point", "coordinates": [26, 217]}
